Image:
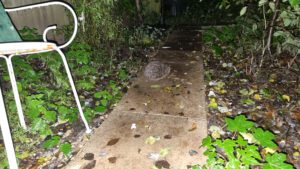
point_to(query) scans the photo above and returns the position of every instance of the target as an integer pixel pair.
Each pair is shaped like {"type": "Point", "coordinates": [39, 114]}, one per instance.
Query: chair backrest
{"type": "Point", "coordinates": [8, 32]}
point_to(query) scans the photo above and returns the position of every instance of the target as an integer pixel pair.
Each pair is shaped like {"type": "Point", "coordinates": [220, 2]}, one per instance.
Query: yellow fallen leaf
{"type": "Point", "coordinates": [164, 152]}
{"type": "Point", "coordinates": [24, 155]}
{"type": "Point", "coordinates": [150, 140]}
{"type": "Point", "coordinates": [194, 127]}
{"type": "Point", "coordinates": [269, 150]}
{"type": "Point", "coordinates": [215, 135]}
{"type": "Point", "coordinates": [257, 97]}
{"type": "Point", "coordinates": [223, 91]}
{"type": "Point", "coordinates": [249, 137]}
{"type": "Point", "coordinates": [168, 89]}
{"type": "Point", "coordinates": [286, 97]}
{"type": "Point", "coordinates": [296, 154]}
{"type": "Point", "coordinates": [43, 160]}
{"type": "Point", "coordinates": [155, 86]}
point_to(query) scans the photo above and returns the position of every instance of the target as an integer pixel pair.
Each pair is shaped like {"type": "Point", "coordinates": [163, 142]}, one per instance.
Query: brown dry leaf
{"type": "Point", "coordinates": [270, 114]}
{"type": "Point", "coordinates": [296, 114]}
{"type": "Point", "coordinates": [113, 141]}
{"type": "Point", "coordinates": [112, 160]}
{"type": "Point", "coordinates": [194, 127]}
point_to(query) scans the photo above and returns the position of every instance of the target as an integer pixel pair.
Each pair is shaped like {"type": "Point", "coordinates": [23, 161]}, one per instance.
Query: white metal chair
{"type": "Point", "coordinates": [9, 50]}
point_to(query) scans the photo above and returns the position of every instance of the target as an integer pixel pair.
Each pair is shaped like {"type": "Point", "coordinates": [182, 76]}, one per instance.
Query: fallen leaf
{"type": "Point", "coordinates": [216, 131]}
{"type": "Point", "coordinates": [155, 86]}
{"type": "Point", "coordinates": [249, 137]}
{"type": "Point", "coordinates": [168, 89]}
{"type": "Point", "coordinates": [211, 94]}
{"type": "Point", "coordinates": [286, 98]}
{"type": "Point", "coordinates": [162, 164]}
{"type": "Point", "coordinates": [137, 136]}
{"type": "Point", "coordinates": [113, 142]}
{"type": "Point", "coordinates": [168, 137]}
{"type": "Point", "coordinates": [154, 156]}
{"type": "Point", "coordinates": [257, 97]}
{"type": "Point", "coordinates": [194, 127]}
{"type": "Point", "coordinates": [164, 152]}
{"type": "Point", "coordinates": [223, 109]}
{"type": "Point", "coordinates": [89, 156]}
{"type": "Point", "coordinates": [112, 160]}
{"type": "Point", "coordinates": [268, 150]}
{"type": "Point", "coordinates": [296, 154]}
{"type": "Point", "coordinates": [213, 104]}
{"type": "Point", "coordinates": [150, 140]}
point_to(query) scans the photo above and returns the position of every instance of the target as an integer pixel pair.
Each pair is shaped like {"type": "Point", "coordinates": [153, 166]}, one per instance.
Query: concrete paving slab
{"type": "Point", "coordinates": [179, 94]}
{"type": "Point", "coordinates": [181, 136]}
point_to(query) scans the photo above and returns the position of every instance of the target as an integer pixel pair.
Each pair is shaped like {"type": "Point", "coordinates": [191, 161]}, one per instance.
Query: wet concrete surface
{"type": "Point", "coordinates": [157, 123]}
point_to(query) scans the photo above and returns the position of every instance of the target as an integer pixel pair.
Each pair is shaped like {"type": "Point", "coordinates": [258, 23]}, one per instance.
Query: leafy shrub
{"type": "Point", "coordinates": [243, 146]}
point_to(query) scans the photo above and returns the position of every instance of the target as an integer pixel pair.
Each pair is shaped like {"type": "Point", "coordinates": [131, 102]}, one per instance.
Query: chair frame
{"type": "Point", "coordinates": [8, 58]}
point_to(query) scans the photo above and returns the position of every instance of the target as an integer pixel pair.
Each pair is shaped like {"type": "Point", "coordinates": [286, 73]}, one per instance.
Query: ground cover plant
{"type": "Point", "coordinates": [106, 54]}
{"type": "Point", "coordinates": [252, 72]}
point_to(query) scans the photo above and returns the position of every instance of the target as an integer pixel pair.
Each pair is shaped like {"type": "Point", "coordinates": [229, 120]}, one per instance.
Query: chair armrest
{"type": "Point", "coordinates": [45, 4]}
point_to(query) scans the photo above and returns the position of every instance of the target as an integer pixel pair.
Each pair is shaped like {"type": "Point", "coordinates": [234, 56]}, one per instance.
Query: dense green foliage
{"type": "Point", "coordinates": [264, 31]}
{"type": "Point", "coordinates": [245, 146]}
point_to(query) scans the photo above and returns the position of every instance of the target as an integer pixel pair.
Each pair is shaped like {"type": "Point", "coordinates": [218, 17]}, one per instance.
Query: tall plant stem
{"type": "Point", "coordinates": [271, 30]}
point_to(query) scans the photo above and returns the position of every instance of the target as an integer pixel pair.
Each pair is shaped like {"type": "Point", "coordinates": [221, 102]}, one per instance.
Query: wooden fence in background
{"type": "Point", "coordinates": [38, 18]}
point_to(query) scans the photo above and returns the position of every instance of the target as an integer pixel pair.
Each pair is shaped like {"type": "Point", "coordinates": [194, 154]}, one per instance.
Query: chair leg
{"type": "Point", "coordinates": [15, 91]}
{"type": "Point", "coordinates": [88, 130]}
{"type": "Point", "coordinates": [10, 151]}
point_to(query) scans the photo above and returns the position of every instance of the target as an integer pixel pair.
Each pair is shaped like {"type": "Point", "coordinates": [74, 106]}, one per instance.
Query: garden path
{"type": "Point", "coordinates": [157, 123]}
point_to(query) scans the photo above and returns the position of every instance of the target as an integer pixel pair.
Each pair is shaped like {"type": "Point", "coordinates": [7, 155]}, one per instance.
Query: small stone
{"type": "Point", "coordinates": [193, 152]}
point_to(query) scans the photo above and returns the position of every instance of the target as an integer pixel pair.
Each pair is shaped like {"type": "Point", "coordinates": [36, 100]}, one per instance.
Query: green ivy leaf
{"type": "Point", "coordinates": [250, 155]}
{"type": "Point", "coordinates": [276, 161]}
{"type": "Point", "coordinates": [239, 123]}
{"type": "Point", "coordinates": [50, 116]}
{"type": "Point", "coordinates": [298, 91]}
{"type": "Point", "coordinates": [100, 109]}
{"type": "Point", "coordinates": [38, 124]}
{"type": "Point", "coordinates": [104, 102]}
{"type": "Point", "coordinates": [98, 95]}
{"type": "Point", "coordinates": [241, 142]}
{"type": "Point", "coordinates": [228, 146]}
{"type": "Point", "coordinates": [66, 148]}
{"type": "Point", "coordinates": [207, 141]}
{"type": "Point", "coordinates": [294, 2]}
{"type": "Point", "coordinates": [265, 138]}
{"type": "Point", "coordinates": [248, 102]}
{"type": "Point", "coordinates": [52, 142]}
